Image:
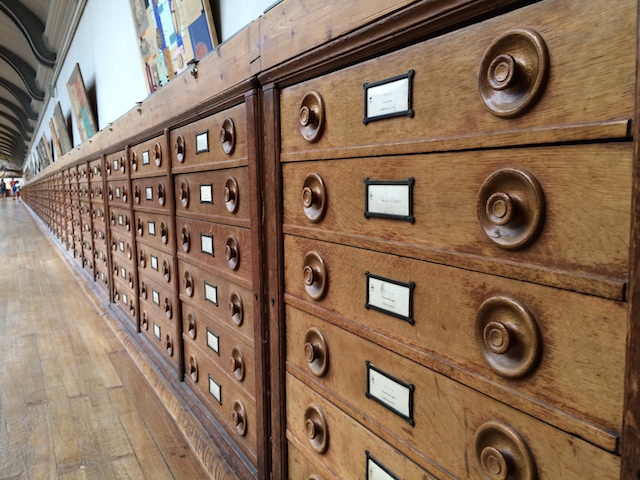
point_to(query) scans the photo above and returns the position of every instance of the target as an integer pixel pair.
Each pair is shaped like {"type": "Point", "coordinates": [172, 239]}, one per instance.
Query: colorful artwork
{"type": "Point", "coordinates": [170, 34]}
{"type": "Point", "coordinates": [61, 129]}
{"type": "Point", "coordinates": [54, 138]}
{"type": "Point", "coordinates": [44, 150]}
{"type": "Point", "coordinates": [82, 111]}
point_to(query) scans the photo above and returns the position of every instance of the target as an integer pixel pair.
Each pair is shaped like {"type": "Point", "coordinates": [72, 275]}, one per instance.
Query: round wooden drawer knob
{"type": "Point", "coordinates": [314, 197]}
{"type": "Point", "coordinates": [192, 368]}
{"type": "Point", "coordinates": [513, 72]}
{"type": "Point", "coordinates": [316, 428]}
{"type": "Point", "coordinates": [232, 253]}
{"type": "Point", "coordinates": [179, 148]}
{"type": "Point", "coordinates": [145, 321]}
{"type": "Point", "coordinates": [186, 239]}
{"type": "Point", "coordinates": [166, 271]}
{"type": "Point", "coordinates": [239, 418]}
{"type": "Point", "coordinates": [168, 309]}
{"type": "Point", "coordinates": [314, 272]}
{"type": "Point", "coordinates": [157, 154]}
{"type": "Point", "coordinates": [316, 352]}
{"type": "Point", "coordinates": [502, 454]}
{"type": "Point", "coordinates": [134, 161]}
{"type": "Point", "coordinates": [161, 194]}
{"type": "Point", "coordinates": [231, 194]}
{"type": "Point", "coordinates": [188, 283]}
{"type": "Point", "coordinates": [228, 136]}
{"type": "Point", "coordinates": [508, 336]}
{"type": "Point", "coordinates": [184, 194]}
{"type": "Point", "coordinates": [311, 117]}
{"type": "Point", "coordinates": [511, 208]}
{"type": "Point", "coordinates": [164, 232]}
{"type": "Point", "coordinates": [237, 364]}
{"type": "Point", "coordinates": [235, 309]}
{"type": "Point", "coordinates": [168, 345]}
{"type": "Point", "coordinates": [191, 326]}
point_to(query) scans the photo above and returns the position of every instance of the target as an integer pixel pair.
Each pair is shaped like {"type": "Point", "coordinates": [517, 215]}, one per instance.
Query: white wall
{"type": "Point", "coordinates": [105, 46]}
{"type": "Point", "coordinates": [234, 15]}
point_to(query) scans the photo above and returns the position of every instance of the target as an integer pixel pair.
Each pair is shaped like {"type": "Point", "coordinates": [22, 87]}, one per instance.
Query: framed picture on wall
{"type": "Point", "coordinates": [170, 34]}
{"type": "Point", "coordinates": [82, 111]}
{"type": "Point", "coordinates": [61, 130]}
{"type": "Point", "coordinates": [54, 139]}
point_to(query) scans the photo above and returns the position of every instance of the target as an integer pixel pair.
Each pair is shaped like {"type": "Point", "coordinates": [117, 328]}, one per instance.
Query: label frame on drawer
{"type": "Point", "coordinates": [213, 341]}
{"type": "Point", "coordinates": [368, 101]}
{"type": "Point", "coordinates": [148, 193]}
{"type": "Point", "coordinates": [146, 159]}
{"type": "Point", "coordinates": [368, 183]}
{"type": "Point", "coordinates": [207, 292]}
{"type": "Point", "coordinates": [202, 142]}
{"type": "Point", "coordinates": [207, 188]}
{"type": "Point", "coordinates": [218, 397]}
{"type": "Point", "coordinates": [408, 386]}
{"type": "Point", "coordinates": [208, 247]}
{"type": "Point", "coordinates": [151, 227]}
{"type": "Point", "coordinates": [410, 286]}
{"type": "Point", "coordinates": [381, 472]}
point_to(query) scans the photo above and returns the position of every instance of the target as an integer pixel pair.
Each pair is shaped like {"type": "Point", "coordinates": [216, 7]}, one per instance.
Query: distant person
{"type": "Point", "coordinates": [3, 189]}
{"type": "Point", "coordinates": [16, 190]}
{"type": "Point", "coordinates": [11, 184]}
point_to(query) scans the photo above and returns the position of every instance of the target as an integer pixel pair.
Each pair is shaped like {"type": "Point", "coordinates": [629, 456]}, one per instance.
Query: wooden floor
{"type": "Point", "coordinates": [65, 409]}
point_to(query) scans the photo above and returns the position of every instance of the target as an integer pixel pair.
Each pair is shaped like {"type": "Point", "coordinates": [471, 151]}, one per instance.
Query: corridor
{"type": "Point", "coordinates": [73, 403]}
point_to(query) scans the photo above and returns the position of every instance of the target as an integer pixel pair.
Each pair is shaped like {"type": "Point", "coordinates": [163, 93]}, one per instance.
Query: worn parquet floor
{"type": "Point", "coordinates": [66, 411]}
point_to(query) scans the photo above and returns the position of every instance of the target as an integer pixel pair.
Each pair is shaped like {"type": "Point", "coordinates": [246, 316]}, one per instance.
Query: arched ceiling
{"type": "Point", "coordinates": [31, 35]}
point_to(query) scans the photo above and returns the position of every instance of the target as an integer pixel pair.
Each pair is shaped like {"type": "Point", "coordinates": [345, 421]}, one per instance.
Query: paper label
{"type": "Point", "coordinates": [206, 194]}
{"type": "Point", "coordinates": [215, 389]}
{"type": "Point", "coordinates": [213, 341]}
{"type": "Point", "coordinates": [206, 243]}
{"type": "Point", "coordinates": [202, 142]}
{"type": "Point", "coordinates": [211, 293]}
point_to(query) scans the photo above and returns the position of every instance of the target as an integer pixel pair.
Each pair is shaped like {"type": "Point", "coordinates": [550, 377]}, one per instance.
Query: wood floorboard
{"type": "Point", "coordinates": [64, 410]}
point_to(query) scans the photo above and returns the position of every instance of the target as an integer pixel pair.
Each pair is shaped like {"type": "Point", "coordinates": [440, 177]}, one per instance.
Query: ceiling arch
{"type": "Point", "coordinates": [32, 28]}
{"type": "Point", "coordinates": [25, 71]}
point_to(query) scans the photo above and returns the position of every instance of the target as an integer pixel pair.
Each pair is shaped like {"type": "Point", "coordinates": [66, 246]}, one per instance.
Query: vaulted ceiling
{"type": "Point", "coordinates": [32, 33]}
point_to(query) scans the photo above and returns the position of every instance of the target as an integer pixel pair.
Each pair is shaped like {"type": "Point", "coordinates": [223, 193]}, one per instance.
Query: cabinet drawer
{"type": "Point", "coordinates": [157, 265]}
{"type": "Point", "coordinates": [84, 191]}
{"type": "Point", "coordinates": [116, 165]}
{"type": "Point", "coordinates": [98, 212]}
{"type": "Point", "coordinates": [123, 271]}
{"type": "Point", "coordinates": [95, 171]}
{"type": "Point", "coordinates": [96, 192]}
{"type": "Point", "coordinates": [122, 248]}
{"type": "Point", "coordinates": [149, 158]}
{"type": "Point", "coordinates": [157, 298]}
{"type": "Point", "coordinates": [100, 256]}
{"type": "Point", "coordinates": [446, 105]}
{"type": "Point", "coordinates": [161, 333]}
{"type": "Point", "coordinates": [101, 276]}
{"type": "Point", "coordinates": [552, 213]}
{"type": "Point", "coordinates": [152, 193]}
{"type": "Point", "coordinates": [125, 298]}
{"type": "Point", "coordinates": [216, 196]}
{"type": "Point", "coordinates": [118, 193]}
{"type": "Point", "coordinates": [214, 142]}
{"type": "Point", "coordinates": [217, 247]}
{"type": "Point", "coordinates": [227, 302]}
{"type": "Point", "coordinates": [231, 406]}
{"type": "Point", "coordinates": [567, 349]}
{"type": "Point", "coordinates": [352, 452]}
{"type": "Point", "coordinates": [224, 346]}
{"type": "Point", "coordinates": [427, 415]}
{"type": "Point", "coordinates": [154, 230]}
{"type": "Point", "coordinates": [83, 172]}
{"type": "Point", "coordinates": [120, 219]}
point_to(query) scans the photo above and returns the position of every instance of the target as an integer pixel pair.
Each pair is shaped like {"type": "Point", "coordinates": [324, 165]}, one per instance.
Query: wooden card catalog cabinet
{"type": "Point", "coordinates": [431, 275]}
{"type": "Point", "coordinates": [215, 192]}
